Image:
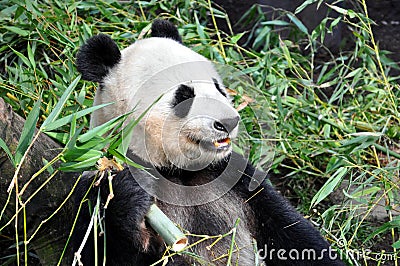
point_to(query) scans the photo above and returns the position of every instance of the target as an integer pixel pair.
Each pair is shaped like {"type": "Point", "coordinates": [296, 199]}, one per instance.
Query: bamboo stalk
{"type": "Point", "coordinates": [171, 234]}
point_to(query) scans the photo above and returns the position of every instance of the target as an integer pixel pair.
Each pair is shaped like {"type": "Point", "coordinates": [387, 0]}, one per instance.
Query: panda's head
{"type": "Point", "coordinates": [191, 120]}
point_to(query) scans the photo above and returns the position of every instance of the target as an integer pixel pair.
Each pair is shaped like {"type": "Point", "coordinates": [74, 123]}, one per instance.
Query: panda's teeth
{"type": "Point", "coordinates": [218, 144]}
{"type": "Point", "coordinates": [222, 142]}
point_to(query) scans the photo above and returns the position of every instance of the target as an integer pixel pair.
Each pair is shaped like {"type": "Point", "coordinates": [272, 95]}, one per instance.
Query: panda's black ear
{"type": "Point", "coordinates": [96, 57]}
{"type": "Point", "coordinates": [165, 29]}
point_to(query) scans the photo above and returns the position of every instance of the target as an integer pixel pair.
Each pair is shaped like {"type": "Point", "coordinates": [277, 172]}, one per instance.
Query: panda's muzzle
{"type": "Point", "coordinates": [219, 139]}
{"type": "Point", "coordinates": [227, 126]}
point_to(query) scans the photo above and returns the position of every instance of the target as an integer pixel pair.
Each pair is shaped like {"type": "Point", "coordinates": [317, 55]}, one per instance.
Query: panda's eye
{"type": "Point", "coordinates": [218, 87]}
{"type": "Point", "coordinates": [183, 99]}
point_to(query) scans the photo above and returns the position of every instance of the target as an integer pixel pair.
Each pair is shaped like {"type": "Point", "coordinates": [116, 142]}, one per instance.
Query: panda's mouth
{"type": "Point", "coordinates": [220, 144]}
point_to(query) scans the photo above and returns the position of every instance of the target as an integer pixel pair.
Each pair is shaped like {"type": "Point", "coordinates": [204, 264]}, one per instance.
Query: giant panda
{"type": "Point", "coordinates": [184, 138]}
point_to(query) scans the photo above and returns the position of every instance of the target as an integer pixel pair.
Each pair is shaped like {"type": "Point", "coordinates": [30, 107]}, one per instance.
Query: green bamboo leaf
{"type": "Point", "coordinates": [20, 10]}
{"type": "Point", "coordinates": [334, 23]}
{"type": "Point", "coordinates": [59, 106]}
{"type": "Point", "coordinates": [304, 5]}
{"type": "Point", "coordinates": [71, 144]}
{"type": "Point", "coordinates": [101, 129]}
{"type": "Point", "coordinates": [29, 6]}
{"type": "Point", "coordinates": [3, 145]}
{"type": "Point", "coordinates": [72, 128]}
{"type": "Point", "coordinates": [354, 73]}
{"type": "Point", "coordinates": [334, 163]}
{"type": "Point", "coordinates": [366, 191]}
{"type": "Point", "coordinates": [395, 223]}
{"type": "Point", "coordinates": [286, 53]}
{"type": "Point", "coordinates": [338, 9]}
{"type": "Point", "coordinates": [125, 159]}
{"type": "Point", "coordinates": [200, 29]}
{"type": "Point", "coordinates": [329, 186]}
{"type": "Point", "coordinates": [368, 137]}
{"type": "Point", "coordinates": [97, 143]}
{"type": "Point", "coordinates": [237, 37]}
{"type": "Point", "coordinates": [81, 96]}
{"type": "Point", "coordinates": [261, 36]}
{"type": "Point", "coordinates": [17, 30]}
{"type": "Point", "coordinates": [298, 23]}
{"type": "Point", "coordinates": [27, 131]}
{"type": "Point", "coordinates": [327, 131]}
{"type": "Point", "coordinates": [80, 155]}
{"type": "Point", "coordinates": [126, 136]}
{"type": "Point", "coordinates": [31, 56]}
{"type": "Point", "coordinates": [59, 136]}
{"type": "Point", "coordinates": [275, 23]}
{"type": "Point", "coordinates": [23, 57]}
{"type": "Point", "coordinates": [49, 168]}
{"type": "Point", "coordinates": [67, 119]}
{"type": "Point", "coordinates": [80, 166]}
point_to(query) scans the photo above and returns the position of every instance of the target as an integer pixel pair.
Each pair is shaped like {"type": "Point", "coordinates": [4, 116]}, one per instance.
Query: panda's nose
{"type": "Point", "coordinates": [227, 124]}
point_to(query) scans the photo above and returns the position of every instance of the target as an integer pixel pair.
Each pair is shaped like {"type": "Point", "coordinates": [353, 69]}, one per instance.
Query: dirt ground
{"type": "Point", "coordinates": [386, 14]}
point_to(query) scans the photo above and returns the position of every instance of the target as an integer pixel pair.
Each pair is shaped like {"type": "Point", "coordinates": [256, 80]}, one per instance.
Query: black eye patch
{"type": "Point", "coordinates": [183, 100]}
{"type": "Point", "coordinates": [218, 87]}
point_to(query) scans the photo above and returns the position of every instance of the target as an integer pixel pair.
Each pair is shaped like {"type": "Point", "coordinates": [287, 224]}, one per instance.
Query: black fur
{"type": "Point", "coordinates": [165, 29]}
{"type": "Point", "coordinates": [183, 100]}
{"type": "Point", "coordinates": [276, 224]}
{"type": "Point", "coordinates": [218, 87]}
{"type": "Point", "coordinates": [97, 57]}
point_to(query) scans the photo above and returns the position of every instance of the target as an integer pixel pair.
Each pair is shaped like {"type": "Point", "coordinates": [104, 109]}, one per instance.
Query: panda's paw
{"type": "Point", "coordinates": [127, 209]}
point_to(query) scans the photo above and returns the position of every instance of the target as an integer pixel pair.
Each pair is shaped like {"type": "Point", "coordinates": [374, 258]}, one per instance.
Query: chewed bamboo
{"type": "Point", "coordinates": [171, 234]}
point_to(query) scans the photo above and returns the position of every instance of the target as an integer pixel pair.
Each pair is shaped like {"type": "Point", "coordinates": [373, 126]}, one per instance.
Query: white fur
{"type": "Point", "coordinates": [157, 66]}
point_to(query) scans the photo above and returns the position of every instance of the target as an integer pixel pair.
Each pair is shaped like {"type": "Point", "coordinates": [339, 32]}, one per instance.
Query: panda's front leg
{"type": "Point", "coordinates": [128, 241]}
{"type": "Point", "coordinates": [284, 236]}
{"type": "Point", "coordinates": [126, 211]}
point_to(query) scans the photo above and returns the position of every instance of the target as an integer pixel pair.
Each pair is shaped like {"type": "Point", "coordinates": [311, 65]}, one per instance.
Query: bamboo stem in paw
{"type": "Point", "coordinates": [171, 234]}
